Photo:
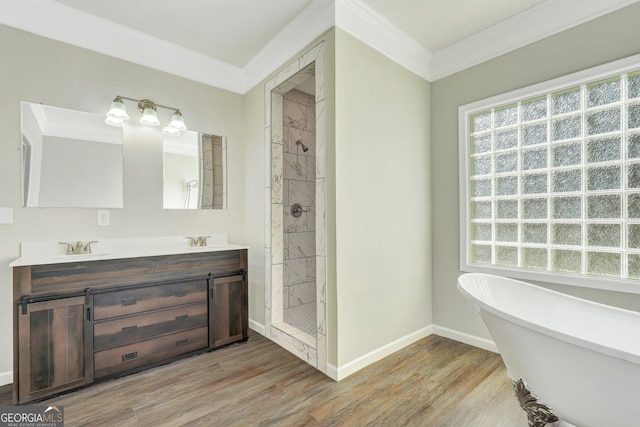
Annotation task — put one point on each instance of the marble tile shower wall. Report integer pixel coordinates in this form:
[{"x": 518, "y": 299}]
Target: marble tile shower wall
[
  {"x": 299, "y": 184},
  {"x": 212, "y": 192}
]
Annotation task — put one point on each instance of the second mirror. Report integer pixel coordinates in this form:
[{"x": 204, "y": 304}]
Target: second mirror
[{"x": 194, "y": 171}]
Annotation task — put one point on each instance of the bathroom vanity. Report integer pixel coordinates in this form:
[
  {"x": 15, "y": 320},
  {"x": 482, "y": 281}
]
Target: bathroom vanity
[{"x": 82, "y": 319}]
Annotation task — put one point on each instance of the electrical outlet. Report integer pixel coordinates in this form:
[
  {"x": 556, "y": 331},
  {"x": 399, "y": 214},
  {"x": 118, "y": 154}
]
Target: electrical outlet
[{"x": 103, "y": 218}]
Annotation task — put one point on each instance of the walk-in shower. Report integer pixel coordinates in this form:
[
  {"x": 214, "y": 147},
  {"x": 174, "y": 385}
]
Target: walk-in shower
[
  {"x": 295, "y": 276},
  {"x": 299, "y": 167}
]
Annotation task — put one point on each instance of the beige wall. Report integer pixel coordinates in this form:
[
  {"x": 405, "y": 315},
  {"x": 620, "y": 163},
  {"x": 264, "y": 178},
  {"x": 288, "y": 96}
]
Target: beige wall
[
  {"x": 603, "y": 40},
  {"x": 382, "y": 200},
  {"x": 41, "y": 70},
  {"x": 254, "y": 164}
]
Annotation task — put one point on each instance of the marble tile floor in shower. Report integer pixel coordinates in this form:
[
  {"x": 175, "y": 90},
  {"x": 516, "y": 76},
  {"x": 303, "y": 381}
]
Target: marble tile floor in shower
[{"x": 302, "y": 317}]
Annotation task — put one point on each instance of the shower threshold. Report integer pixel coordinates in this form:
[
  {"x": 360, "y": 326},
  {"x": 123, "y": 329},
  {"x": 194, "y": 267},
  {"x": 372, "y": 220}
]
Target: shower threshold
[{"x": 295, "y": 334}]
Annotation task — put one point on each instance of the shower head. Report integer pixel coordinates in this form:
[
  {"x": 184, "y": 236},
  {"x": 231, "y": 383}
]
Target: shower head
[
  {"x": 192, "y": 184},
  {"x": 304, "y": 147}
]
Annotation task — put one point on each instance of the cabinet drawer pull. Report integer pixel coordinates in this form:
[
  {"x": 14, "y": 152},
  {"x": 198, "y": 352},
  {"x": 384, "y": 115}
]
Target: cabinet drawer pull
[
  {"x": 182, "y": 342},
  {"x": 180, "y": 294},
  {"x": 130, "y": 301},
  {"x": 181, "y": 318},
  {"x": 129, "y": 356},
  {"x": 129, "y": 328}
]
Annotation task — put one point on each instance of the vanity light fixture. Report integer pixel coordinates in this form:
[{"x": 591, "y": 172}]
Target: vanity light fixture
[
  {"x": 118, "y": 114},
  {"x": 177, "y": 121},
  {"x": 149, "y": 116}
]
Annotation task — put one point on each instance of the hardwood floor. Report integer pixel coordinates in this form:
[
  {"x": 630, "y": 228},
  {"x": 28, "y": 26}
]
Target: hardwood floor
[{"x": 433, "y": 382}]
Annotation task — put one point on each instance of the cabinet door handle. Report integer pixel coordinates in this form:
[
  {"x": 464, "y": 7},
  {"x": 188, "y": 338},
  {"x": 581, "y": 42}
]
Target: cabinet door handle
[
  {"x": 129, "y": 356},
  {"x": 130, "y": 328},
  {"x": 181, "y": 318},
  {"x": 182, "y": 342},
  {"x": 181, "y": 294},
  {"x": 130, "y": 301}
]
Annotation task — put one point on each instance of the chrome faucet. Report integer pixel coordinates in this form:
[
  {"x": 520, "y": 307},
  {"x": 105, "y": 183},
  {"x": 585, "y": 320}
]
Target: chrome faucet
[
  {"x": 198, "y": 241},
  {"x": 78, "y": 247}
]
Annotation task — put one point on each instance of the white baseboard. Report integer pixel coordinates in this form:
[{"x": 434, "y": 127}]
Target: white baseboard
[
  {"x": 258, "y": 327},
  {"x": 339, "y": 373},
  {"x": 332, "y": 372},
  {"x": 6, "y": 377},
  {"x": 465, "y": 338},
  {"x": 373, "y": 356}
]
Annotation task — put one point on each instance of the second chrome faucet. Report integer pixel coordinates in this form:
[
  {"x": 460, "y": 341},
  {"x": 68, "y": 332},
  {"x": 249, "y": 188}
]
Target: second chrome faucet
[
  {"x": 78, "y": 247},
  {"x": 198, "y": 241}
]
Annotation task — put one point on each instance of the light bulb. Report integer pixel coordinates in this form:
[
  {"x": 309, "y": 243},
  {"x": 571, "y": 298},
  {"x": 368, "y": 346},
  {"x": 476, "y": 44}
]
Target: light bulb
[
  {"x": 149, "y": 117},
  {"x": 177, "y": 121},
  {"x": 117, "y": 113}
]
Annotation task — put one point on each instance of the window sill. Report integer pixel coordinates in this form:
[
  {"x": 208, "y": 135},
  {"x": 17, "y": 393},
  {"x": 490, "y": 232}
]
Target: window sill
[{"x": 629, "y": 286}]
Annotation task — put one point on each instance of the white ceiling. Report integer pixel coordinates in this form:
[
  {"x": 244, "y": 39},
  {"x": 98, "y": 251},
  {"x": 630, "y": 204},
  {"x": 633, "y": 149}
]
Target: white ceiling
[
  {"x": 437, "y": 24},
  {"x": 232, "y": 31},
  {"x": 235, "y": 44}
]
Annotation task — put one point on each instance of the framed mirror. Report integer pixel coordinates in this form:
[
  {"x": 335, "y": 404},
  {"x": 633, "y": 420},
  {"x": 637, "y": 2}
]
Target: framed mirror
[
  {"x": 70, "y": 159},
  {"x": 194, "y": 171}
]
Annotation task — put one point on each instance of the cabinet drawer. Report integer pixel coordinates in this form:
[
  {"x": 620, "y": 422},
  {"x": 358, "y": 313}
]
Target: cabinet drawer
[
  {"x": 120, "y": 359},
  {"x": 122, "y": 331},
  {"x": 131, "y": 301}
]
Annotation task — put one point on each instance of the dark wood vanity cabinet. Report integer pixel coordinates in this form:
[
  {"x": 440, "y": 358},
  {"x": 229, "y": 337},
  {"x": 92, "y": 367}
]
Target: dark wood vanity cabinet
[
  {"x": 55, "y": 337},
  {"x": 76, "y": 323},
  {"x": 228, "y": 317},
  {"x": 148, "y": 324}
]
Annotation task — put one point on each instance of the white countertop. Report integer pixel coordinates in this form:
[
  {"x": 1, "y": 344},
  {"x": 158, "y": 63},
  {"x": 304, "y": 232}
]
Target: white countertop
[{"x": 38, "y": 253}]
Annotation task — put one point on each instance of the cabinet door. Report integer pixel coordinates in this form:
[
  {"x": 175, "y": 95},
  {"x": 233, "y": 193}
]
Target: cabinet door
[
  {"x": 228, "y": 310},
  {"x": 52, "y": 356}
]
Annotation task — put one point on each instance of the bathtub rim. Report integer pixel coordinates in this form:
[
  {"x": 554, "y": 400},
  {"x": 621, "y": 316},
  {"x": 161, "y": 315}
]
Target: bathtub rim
[
  {"x": 618, "y": 353},
  {"x": 602, "y": 283}
]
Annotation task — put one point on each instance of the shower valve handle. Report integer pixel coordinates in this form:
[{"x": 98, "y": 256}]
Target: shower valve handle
[{"x": 296, "y": 210}]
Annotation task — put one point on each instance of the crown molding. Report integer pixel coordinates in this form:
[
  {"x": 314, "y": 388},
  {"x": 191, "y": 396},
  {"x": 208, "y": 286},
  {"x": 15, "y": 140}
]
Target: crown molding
[
  {"x": 530, "y": 26},
  {"x": 313, "y": 21},
  {"x": 59, "y": 22},
  {"x": 359, "y": 20}
]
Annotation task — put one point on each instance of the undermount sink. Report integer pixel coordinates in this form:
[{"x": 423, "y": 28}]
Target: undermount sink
[
  {"x": 79, "y": 256},
  {"x": 204, "y": 248}
]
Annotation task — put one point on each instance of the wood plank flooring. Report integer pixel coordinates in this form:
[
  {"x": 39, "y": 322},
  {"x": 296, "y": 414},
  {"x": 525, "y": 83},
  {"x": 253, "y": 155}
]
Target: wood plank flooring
[{"x": 433, "y": 382}]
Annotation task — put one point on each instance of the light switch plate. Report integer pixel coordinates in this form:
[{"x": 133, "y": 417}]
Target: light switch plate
[
  {"x": 104, "y": 217},
  {"x": 6, "y": 215}
]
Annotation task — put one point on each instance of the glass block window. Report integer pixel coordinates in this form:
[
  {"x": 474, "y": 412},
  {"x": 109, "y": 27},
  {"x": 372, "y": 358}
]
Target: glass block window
[{"x": 551, "y": 179}]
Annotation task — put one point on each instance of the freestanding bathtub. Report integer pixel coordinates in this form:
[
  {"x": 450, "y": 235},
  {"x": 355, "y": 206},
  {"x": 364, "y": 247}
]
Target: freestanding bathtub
[{"x": 580, "y": 358}]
